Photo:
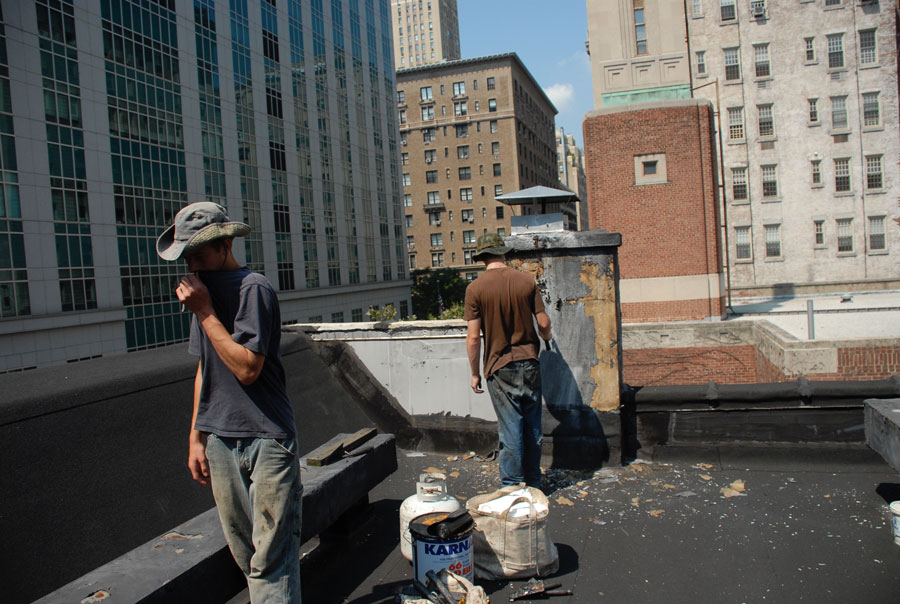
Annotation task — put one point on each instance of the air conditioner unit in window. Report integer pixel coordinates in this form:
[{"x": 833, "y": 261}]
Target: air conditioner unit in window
[{"x": 758, "y": 10}]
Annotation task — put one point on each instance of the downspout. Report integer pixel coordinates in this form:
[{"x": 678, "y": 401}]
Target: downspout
[{"x": 862, "y": 159}]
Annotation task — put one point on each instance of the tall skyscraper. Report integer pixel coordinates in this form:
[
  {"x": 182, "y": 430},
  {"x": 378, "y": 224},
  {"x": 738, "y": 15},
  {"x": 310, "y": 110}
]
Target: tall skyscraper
[
  {"x": 570, "y": 165},
  {"x": 470, "y": 130},
  {"x": 426, "y": 31},
  {"x": 114, "y": 114},
  {"x": 805, "y": 98}
]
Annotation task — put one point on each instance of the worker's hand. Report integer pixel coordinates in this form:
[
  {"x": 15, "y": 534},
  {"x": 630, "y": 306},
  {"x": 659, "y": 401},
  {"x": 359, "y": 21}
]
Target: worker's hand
[
  {"x": 197, "y": 462},
  {"x": 192, "y": 293},
  {"x": 476, "y": 384}
]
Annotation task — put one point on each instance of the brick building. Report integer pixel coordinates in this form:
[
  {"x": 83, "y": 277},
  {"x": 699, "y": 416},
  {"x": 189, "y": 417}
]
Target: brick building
[
  {"x": 651, "y": 174},
  {"x": 470, "y": 130}
]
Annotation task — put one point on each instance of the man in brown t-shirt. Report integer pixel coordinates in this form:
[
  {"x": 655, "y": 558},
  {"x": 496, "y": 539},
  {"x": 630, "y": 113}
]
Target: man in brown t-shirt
[{"x": 504, "y": 303}]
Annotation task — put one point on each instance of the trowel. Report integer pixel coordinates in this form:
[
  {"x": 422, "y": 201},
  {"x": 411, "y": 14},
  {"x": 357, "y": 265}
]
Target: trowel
[{"x": 536, "y": 587}]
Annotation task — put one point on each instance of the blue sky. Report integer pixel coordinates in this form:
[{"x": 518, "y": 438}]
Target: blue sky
[{"x": 549, "y": 38}]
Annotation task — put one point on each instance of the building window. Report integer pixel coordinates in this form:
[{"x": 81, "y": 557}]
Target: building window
[
  {"x": 816, "y": 167},
  {"x": 490, "y": 84},
  {"x": 499, "y": 212},
  {"x": 403, "y": 116},
  {"x": 462, "y": 130},
  {"x": 406, "y": 180},
  {"x": 871, "y": 109},
  {"x": 462, "y": 152},
  {"x": 493, "y": 124},
  {"x": 410, "y": 242},
  {"x": 459, "y": 88},
  {"x": 437, "y": 239},
  {"x": 404, "y": 159},
  {"x": 407, "y": 200},
  {"x": 736, "y": 123},
  {"x": 819, "y": 232},
  {"x": 842, "y": 175},
  {"x": 409, "y": 221},
  {"x": 497, "y": 170},
  {"x": 434, "y": 219},
  {"x": 434, "y": 197},
  {"x": 429, "y": 135},
  {"x": 845, "y": 234},
  {"x": 640, "y": 32},
  {"x": 701, "y": 62},
  {"x": 465, "y": 194},
  {"x": 813, "y": 111},
  {"x": 425, "y": 93},
  {"x": 876, "y": 233},
  {"x": 835, "y": 50},
  {"x": 697, "y": 8},
  {"x": 495, "y": 149},
  {"x": 492, "y": 105},
  {"x": 839, "y": 113},
  {"x": 732, "y": 65},
  {"x": 437, "y": 259},
  {"x": 428, "y": 113},
  {"x": 430, "y": 156},
  {"x": 739, "y": 183},
  {"x": 769, "y": 181},
  {"x": 431, "y": 176},
  {"x": 498, "y": 190},
  {"x": 773, "y": 241},
  {"x": 403, "y": 139},
  {"x": 501, "y": 231},
  {"x": 728, "y": 11},
  {"x": 833, "y": 2},
  {"x": 468, "y": 237},
  {"x": 460, "y": 109},
  {"x": 810, "y": 49},
  {"x": 761, "y": 59},
  {"x": 867, "y": 52},
  {"x": 412, "y": 261},
  {"x": 401, "y": 96},
  {"x": 650, "y": 169},
  {"x": 468, "y": 215},
  {"x": 766, "y": 121},
  {"x": 743, "y": 248},
  {"x": 465, "y": 173},
  {"x": 874, "y": 175}
]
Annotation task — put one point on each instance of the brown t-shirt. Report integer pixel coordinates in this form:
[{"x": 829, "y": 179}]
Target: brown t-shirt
[{"x": 506, "y": 301}]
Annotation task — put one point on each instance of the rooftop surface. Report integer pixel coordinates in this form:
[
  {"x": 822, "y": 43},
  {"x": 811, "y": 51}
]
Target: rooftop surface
[
  {"x": 855, "y": 315},
  {"x": 694, "y": 525}
]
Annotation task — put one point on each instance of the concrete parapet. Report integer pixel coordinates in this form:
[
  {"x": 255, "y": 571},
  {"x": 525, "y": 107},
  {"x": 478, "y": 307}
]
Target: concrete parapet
[{"x": 883, "y": 429}]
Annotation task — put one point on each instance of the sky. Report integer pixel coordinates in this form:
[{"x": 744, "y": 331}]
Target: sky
[{"x": 548, "y": 36}]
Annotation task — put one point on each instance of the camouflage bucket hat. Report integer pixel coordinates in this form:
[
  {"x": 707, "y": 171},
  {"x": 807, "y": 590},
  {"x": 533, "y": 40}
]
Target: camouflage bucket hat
[
  {"x": 490, "y": 243},
  {"x": 196, "y": 225}
]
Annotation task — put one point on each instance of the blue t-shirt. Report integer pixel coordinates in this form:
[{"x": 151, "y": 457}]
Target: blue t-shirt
[{"x": 247, "y": 306}]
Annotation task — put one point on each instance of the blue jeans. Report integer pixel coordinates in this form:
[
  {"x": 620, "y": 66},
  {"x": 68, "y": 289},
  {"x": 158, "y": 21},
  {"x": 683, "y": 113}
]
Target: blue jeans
[
  {"x": 516, "y": 394},
  {"x": 256, "y": 484}
]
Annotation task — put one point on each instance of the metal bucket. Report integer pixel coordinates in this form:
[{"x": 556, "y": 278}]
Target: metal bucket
[{"x": 443, "y": 540}]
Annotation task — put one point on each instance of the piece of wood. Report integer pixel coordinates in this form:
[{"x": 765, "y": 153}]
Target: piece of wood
[{"x": 336, "y": 451}]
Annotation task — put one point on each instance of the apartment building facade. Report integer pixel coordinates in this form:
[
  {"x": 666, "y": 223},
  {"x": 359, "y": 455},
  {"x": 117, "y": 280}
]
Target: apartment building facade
[
  {"x": 117, "y": 113},
  {"x": 806, "y": 107},
  {"x": 470, "y": 130},
  {"x": 427, "y": 31}
]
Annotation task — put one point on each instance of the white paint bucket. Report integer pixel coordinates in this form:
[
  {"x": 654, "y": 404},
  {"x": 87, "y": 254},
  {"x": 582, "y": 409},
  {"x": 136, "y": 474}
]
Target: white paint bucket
[
  {"x": 895, "y": 521},
  {"x": 432, "y": 552}
]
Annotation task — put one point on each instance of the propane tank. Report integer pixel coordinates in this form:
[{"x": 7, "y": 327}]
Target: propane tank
[{"x": 431, "y": 496}]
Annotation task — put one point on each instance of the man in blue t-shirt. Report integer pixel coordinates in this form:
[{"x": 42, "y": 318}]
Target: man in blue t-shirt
[{"x": 242, "y": 436}]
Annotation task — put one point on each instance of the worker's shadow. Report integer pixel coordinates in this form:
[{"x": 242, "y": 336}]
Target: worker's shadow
[{"x": 578, "y": 439}]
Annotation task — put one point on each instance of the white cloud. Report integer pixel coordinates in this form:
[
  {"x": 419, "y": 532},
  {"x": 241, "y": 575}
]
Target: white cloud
[{"x": 561, "y": 95}]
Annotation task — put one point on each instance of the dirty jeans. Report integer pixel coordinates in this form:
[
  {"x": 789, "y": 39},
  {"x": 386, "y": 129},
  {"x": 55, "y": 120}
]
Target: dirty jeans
[
  {"x": 256, "y": 484},
  {"x": 515, "y": 391}
]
